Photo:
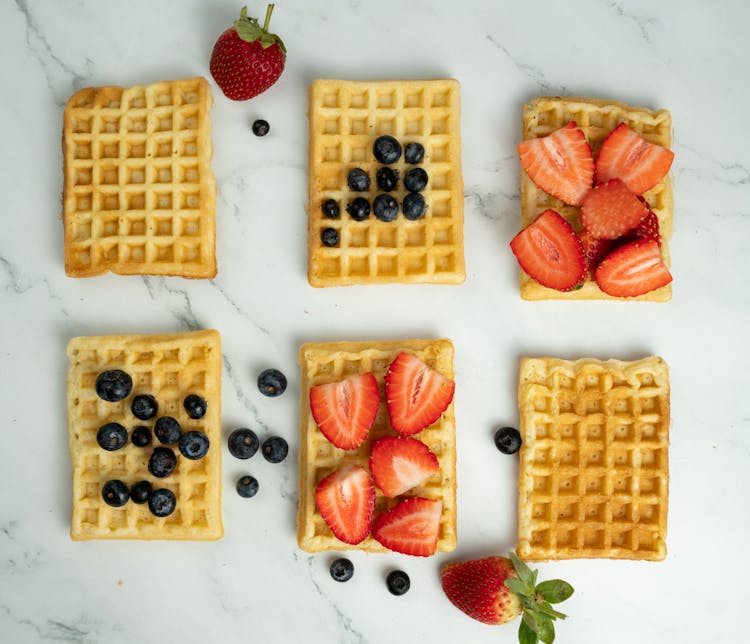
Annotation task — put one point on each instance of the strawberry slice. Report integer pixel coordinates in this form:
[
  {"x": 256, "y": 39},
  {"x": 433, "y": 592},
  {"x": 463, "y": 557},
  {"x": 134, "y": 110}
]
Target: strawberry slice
[
  {"x": 549, "y": 250},
  {"x": 411, "y": 527},
  {"x": 633, "y": 269},
  {"x": 346, "y": 500},
  {"x": 560, "y": 163},
  {"x": 415, "y": 395},
  {"x": 594, "y": 250},
  {"x": 648, "y": 228},
  {"x": 626, "y": 155},
  {"x": 346, "y": 410},
  {"x": 610, "y": 210},
  {"x": 398, "y": 464}
]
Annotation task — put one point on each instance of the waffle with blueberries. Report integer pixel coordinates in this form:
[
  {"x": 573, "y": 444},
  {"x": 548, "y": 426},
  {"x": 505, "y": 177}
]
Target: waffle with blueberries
[
  {"x": 139, "y": 195},
  {"x": 385, "y": 201},
  {"x": 144, "y": 415}
]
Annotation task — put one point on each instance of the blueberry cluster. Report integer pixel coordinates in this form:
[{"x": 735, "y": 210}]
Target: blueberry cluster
[{"x": 397, "y": 581}]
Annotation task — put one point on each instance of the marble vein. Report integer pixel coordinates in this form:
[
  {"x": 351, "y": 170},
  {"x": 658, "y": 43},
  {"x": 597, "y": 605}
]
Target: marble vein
[
  {"x": 237, "y": 308},
  {"x": 74, "y": 632},
  {"x": 14, "y": 280},
  {"x": 532, "y": 72},
  {"x": 183, "y": 313},
  {"x": 642, "y": 23}
]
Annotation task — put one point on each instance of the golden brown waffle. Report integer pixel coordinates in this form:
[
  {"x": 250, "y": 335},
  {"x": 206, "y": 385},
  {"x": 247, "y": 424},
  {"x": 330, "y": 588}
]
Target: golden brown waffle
[
  {"x": 597, "y": 119},
  {"x": 593, "y": 477},
  {"x": 332, "y": 362},
  {"x": 345, "y": 119},
  {"x": 168, "y": 367},
  {"x": 139, "y": 195}
]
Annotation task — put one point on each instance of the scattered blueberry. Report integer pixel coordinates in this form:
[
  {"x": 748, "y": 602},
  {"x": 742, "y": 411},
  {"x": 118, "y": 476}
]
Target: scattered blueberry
[
  {"x": 167, "y": 430},
  {"x": 144, "y": 406},
  {"x": 508, "y": 440},
  {"x": 140, "y": 492},
  {"x": 414, "y": 206},
  {"x": 243, "y": 443},
  {"x": 115, "y": 493},
  {"x": 141, "y": 436},
  {"x": 398, "y": 582},
  {"x": 329, "y": 237},
  {"x": 342, "y": 569},
  {"x": 275, "y": 449},
  {"x": 162, "y": 502},
  {"x": 112, "y": 436},
  {"x": 387, "y": 179},
  {"x": 359, "y": 209},
  {"x": 415, "y": 180},
  {"x": 260, "y": 127},
  {"x": 272, "y": 383},
  {"x": 385, "y": 207},
  {"x": 386, "y": 149},
  {"x": 358, "y": 180},
  {"x": 413, "y": 152},
  {"x": 113, "y": 385},
  {"x": 162, "y": 462},
  {"x": 193, "y": 445},
  {"x": 195, "y": 406},
  {"x": 331, "y": 209},
  {"x": 247, "y": 486}
]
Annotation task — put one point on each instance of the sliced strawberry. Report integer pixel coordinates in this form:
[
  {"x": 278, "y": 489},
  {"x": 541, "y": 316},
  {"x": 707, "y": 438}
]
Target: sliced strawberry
[
  {"x": 549, "y": 250},
  {"x": 411, "y": 527},
  {"x": 633, "y": 269},
  {"x": 398, "y": 464},
  {"x": 610, "y": 210},
  {"x": 560, "y": 163},
  {"x": 648, "y": 228},
  {"x": 594, "y": 250},
  {"x": 346, "y": 500},
  {"x": 346, "y": 410},
  {"x": 626, "y": 155},
  {"x": 416, "y": 395}
]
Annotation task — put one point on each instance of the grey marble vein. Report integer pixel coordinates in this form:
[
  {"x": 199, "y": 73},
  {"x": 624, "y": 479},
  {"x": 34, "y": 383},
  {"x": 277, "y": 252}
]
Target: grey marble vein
[
  {"x": 237, "y": 308},
  {"x": 229, "y": 371},
  {"x": 642, "y": 23},
  {"x": 183, "y": 312},
  {"x": 534, "y": 73},
  {"x": 79, "y": 631},
  {"x": 14, "y": 279}
]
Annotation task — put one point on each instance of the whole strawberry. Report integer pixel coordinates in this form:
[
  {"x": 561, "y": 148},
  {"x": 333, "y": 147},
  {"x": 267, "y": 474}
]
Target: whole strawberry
[
  {"x": 247, "y": 59},
  {"x": 496, "y": 590}
]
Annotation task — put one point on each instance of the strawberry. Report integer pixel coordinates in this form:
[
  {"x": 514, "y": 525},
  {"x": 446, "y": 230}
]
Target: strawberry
[
  {"x": 496, "y": 590},
  {"x": 411, "y": 527},
  {"x": 398, "y": 464},
  {"x": 594, "y": 250},
  {"x": 610, "y": 210},
  {"x": 247, "y": 59},
  {"x": 549, "y": 250},
  {"x": 416, "y": 395},
  {"x": 626, "y": 155},
  {"x": 560, "y": 163},
  {"x": 648, "y": 228},
  {"x": 633, "y": 269},
  {"x": 346, "y": 500},
  {"x": 346, "y": 410}
]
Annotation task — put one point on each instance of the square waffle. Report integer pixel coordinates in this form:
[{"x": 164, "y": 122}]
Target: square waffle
[
  {"x": 345, "y": 119},
  {"x": 593, "y": 476},
  {"x": 139, "y": 195},
  {"x": 597, "y": 118},
  {"x": 168, "y": 367},
  {"x": 332, "y": 362}
]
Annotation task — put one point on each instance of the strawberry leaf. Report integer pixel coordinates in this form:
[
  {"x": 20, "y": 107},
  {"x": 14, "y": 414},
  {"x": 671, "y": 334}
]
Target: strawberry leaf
[
  {"x": 526, "y": 635},
  {"x": 544, "y": 607},
  {"x": 522, "y": 570},
  {"x": 555, "y": 590},
  {"x": 517, "y": 587},
  {"x": 546, "y": 629},
  {"x": 530, "y": 620}
]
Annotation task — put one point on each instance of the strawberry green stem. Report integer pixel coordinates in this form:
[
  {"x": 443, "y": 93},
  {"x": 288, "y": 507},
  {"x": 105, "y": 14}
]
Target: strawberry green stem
[{"x": 269, "y": 11}]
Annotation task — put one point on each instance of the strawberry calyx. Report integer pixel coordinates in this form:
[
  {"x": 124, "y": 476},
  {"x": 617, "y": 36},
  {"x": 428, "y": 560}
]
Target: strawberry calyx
[{"x": 249, "y": 30}]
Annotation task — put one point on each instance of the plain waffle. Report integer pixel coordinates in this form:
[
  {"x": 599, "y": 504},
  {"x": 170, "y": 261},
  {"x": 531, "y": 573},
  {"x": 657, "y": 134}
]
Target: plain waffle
[
  {"x": 597, "y": 119},
  {"x": 332, "y": 362},
  {"x": 139, "y": 195},
  {"x": 345, "y": 119},
  {"x": 168, "y": 367},
  {"x": 593, "y": 476}
]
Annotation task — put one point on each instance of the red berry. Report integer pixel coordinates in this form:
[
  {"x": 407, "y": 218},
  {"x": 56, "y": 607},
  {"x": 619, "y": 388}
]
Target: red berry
[
  {"x": 411, "y": 527},
  {"x": 610, "y": 210},
  {"x": 633, "y": 269},
  {"x": 346, "y": 501},
  {"x": 398, "y": 464}
]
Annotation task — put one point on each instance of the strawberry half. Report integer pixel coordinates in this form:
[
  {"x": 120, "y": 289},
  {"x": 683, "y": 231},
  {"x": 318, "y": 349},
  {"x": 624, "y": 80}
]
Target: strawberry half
[
  {"x": 560, "y": 163},
  {"x": 648, "y": 228},
  {"x": 416, "y": 395},
  {"x": 346, "y": 410},
  {"x": 346, "y": 501},
  {"x": 627, "y": 156},
  {"x": 633, "y": 269},
  {"x": 411, "y": 527},
  {"x": 610, "y": 210},
  {"x": 594, "y": 250},
  {"x": 549, "y": 250},
  {"x": 398, "y": 464}
]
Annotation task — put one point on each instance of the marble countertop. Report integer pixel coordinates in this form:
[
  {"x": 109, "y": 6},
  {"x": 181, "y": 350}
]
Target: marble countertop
[{"x": 255, "y": 585}]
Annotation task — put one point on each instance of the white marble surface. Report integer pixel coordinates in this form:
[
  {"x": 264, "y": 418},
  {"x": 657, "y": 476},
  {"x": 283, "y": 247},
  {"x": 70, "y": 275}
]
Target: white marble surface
[{"x": 255, "y": 585}]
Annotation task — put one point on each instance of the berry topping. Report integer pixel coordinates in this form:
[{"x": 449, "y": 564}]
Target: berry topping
[
  {"x": 330, "y": 208},
  {"x": 247, "y": 486},
  {"x": 162, "y": 462},
  {"x": 398, "y": 464},
  {"x": 271, "y": 383},
  {"x": 342, "y": 569},
  {"x": 398, "y": 582},
  {"x": 275, "y": 449},
  {"x": 386, "y": 149},
  {"x": 346, "y": 410},
  {"x": 162, "y": 502},
  {"x": 387, "y": 179},
  {"x": 193, "y": 445},
  {"x": 112, "y": 436},
  {"x": 140, "y": 492},
  {"x": 115, "y": 493},
  {"x": 508, "y": 440},
  {"x": 359, "y": 209},
  {"x": 144, "y": 406},
  {"x": 329, "y": 237},
  {"x": 416, "y": 180},
  {"x": 167, "y": 430},
  {"x": 243, "y": 443},
  {"x": 358, "y": 180},
  {"x": 260, "y": 127},
  {"x": 414, "y": 152},
  {"x": 346, "y": 500},
  {"x": 633, "y": 269},
  {"x": 195, "y": 406},
  {"x": 385, "y": 207},
  {"x": 414, "y": 206},
  {"x": 648, "y": 228},
  {"x": 113, "y": 385},
  {"x": 594, "y": 250},
  {"x": 411, "y": 527},
  {"x": 141, "y": 436},
  {"x": 610, "y": 210}
]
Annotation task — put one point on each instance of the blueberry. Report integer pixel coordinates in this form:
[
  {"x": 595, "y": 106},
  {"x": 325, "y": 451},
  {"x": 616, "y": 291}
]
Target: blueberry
[
  {"x": 167, "y": 430},
  {"x": 330, "y": 209},
  {"x": 385, "y": 207},
  {"x": 359, "y": 209},
  {"x": 247, "y": 486},
  {"x": 195, "y": 406},
  {"x": 193, "y": 445},
  {"x": 358, "y": 180},
  {"x": 398, "y": 582},
  {"x": 112, "y": 436},
  {"x": 140, "y": 492},
  {"x": 115, "y": 493},
  {"x": 413, "y": 152},
  {"x": 144, "y": 406},
  {"x": 162, "y": 502},
  {"x": 329, "y": 237},
  {"x": 414, "y": 206},
  {"x": 387, "y": 179},
  {"x": 162, "y": 462},
  {"x": 243, "y": 443},
  {"x": 260, "y": 127},
  {"x": 415, "y": 180},
  {"x": 342, "y": 569},
  {"x": 508, "y": 440},
  {"x": 113, "y": 385},
  {"x": 272, "y": 383},
  {"x": 275, "y": 449},
  {"x": 386, "y": 149},
  {"x": 141, "y": 436}
]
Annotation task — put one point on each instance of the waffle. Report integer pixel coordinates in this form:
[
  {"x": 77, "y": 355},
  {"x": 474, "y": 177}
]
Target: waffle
[
  {"x": 597, "y": 119},
  {"x": 139, "y": 196},
  {"x": 168, "y": 367},
  {"x": 593, "y": 476},
  {"x": 345, "y": 119},
  {"x": 332, "y": 362}
]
